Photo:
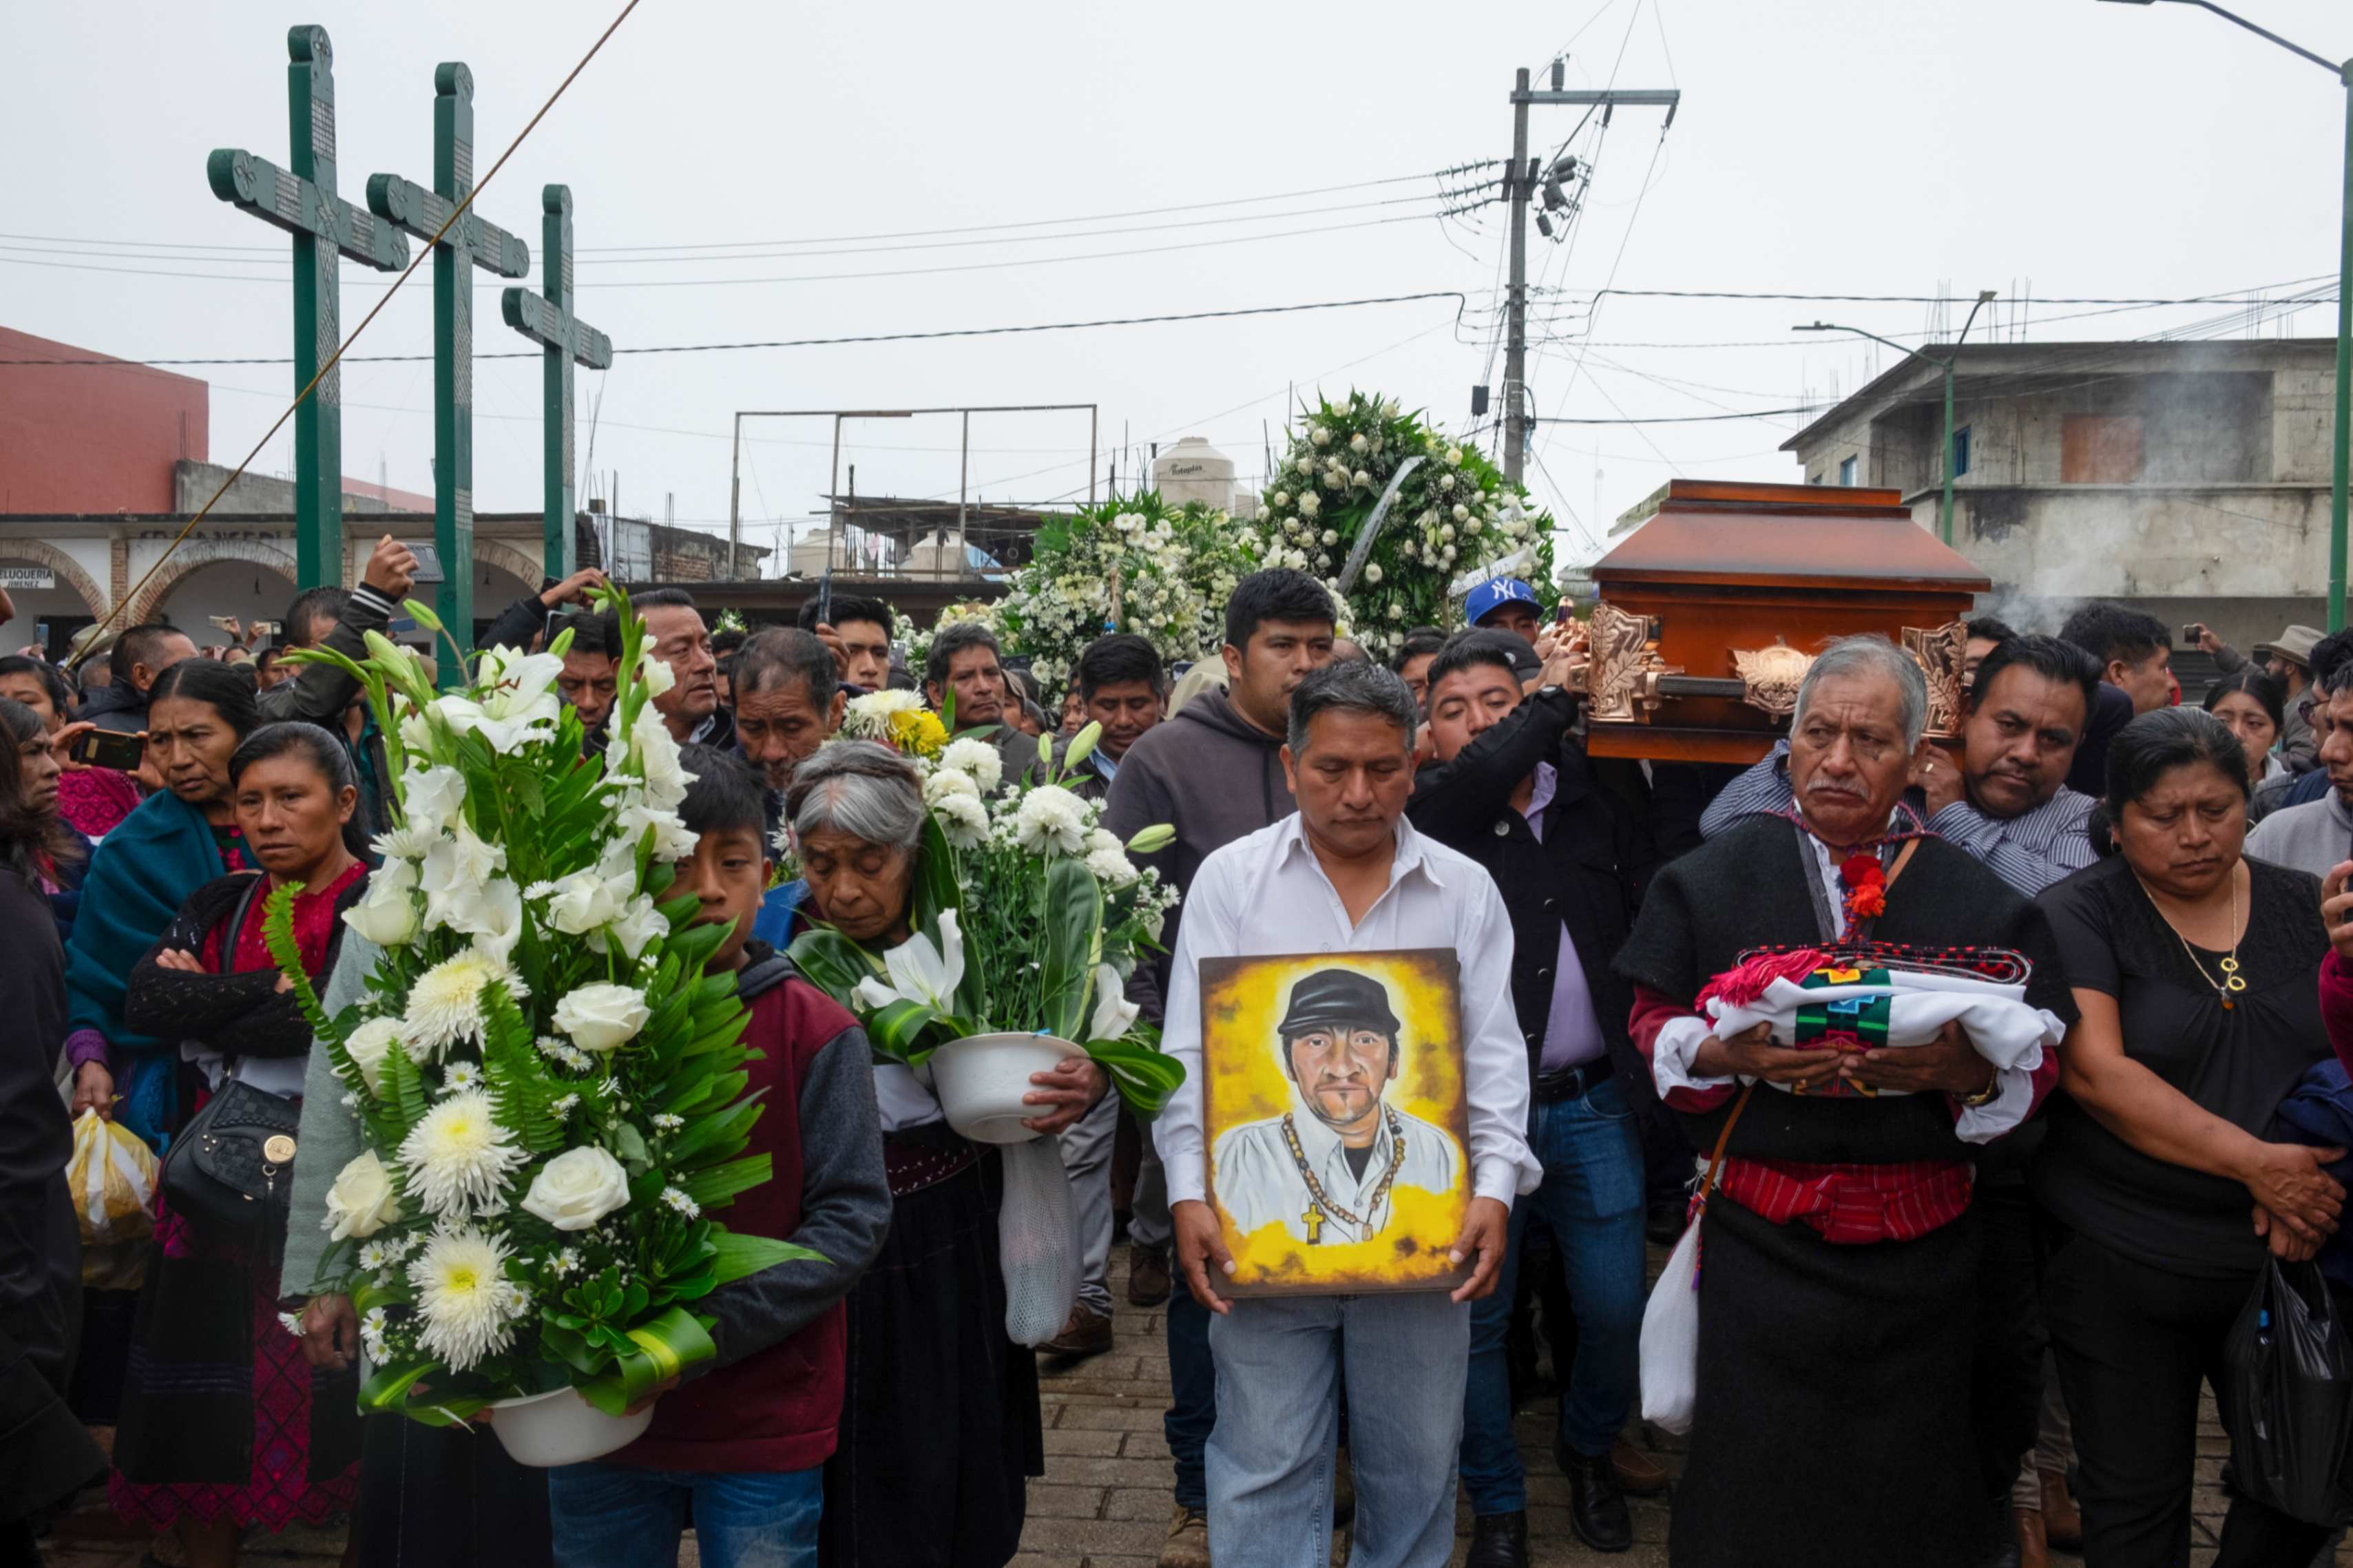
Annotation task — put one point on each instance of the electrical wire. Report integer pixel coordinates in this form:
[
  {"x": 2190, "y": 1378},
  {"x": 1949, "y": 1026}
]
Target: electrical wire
[
  {"x": 460, "y": 211},
  {"x": 1456, "y": 295}
]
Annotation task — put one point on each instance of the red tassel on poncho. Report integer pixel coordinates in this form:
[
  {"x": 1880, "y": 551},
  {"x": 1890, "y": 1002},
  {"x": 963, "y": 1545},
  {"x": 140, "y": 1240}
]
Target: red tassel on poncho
[{"x": 1745, "y": 983}]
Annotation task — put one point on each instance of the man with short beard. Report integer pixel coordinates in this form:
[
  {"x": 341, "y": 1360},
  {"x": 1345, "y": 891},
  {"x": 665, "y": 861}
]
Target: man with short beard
[{"x": 689, "y": 709}]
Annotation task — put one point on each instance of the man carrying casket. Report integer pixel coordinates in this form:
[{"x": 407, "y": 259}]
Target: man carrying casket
[{"x": 1839, "y": 1257}]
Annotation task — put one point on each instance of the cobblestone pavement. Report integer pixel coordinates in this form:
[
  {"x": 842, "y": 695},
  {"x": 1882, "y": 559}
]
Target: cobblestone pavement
[{"x": 1104, "y": 1501}]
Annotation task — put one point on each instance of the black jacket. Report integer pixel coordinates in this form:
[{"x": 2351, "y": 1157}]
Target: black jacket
[{"x": 1586, "y": 873}]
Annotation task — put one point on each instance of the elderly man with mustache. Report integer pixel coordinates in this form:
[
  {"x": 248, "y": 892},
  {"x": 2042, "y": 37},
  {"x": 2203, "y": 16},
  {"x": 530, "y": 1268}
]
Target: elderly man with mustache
[{"x": 1837, "y": 1293}]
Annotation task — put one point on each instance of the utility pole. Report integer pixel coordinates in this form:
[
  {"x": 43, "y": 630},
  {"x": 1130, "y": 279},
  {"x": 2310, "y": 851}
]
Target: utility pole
[{"x": 1520, "y": 177}]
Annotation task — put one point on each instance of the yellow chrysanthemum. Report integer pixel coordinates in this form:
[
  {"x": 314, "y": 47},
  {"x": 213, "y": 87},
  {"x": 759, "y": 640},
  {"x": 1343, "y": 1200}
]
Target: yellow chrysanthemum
[{"x": 918, "y": 733}]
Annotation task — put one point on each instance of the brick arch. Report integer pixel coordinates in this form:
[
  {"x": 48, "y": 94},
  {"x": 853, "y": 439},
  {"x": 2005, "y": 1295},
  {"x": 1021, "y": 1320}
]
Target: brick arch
[
  {"x": 69, "y": 571},
  {"x": 519, "y": 564},
  {"x": 198, "y": 553}
]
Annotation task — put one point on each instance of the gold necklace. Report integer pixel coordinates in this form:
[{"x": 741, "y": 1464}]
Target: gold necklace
[{"x": 2232, "y": 982}]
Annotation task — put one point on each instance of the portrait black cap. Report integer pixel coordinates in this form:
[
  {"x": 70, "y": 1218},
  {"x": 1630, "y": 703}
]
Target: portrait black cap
[{"x": 1337, "y": 997}]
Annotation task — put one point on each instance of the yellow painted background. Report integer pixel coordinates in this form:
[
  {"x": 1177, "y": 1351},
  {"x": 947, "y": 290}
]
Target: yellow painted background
[{"x": 1242, "y": 999}]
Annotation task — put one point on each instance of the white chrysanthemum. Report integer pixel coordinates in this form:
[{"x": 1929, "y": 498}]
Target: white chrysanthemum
[
  {"x": 963, "y": 820},
  {"x": 1099, "y": 839},
  {"x": 457, "y": 1157},
  {"x": 445, "y": 1005},
  {"x": 976, "y": 759},
  {"x": 403, "y": 843},
  {"x": 946, "y": 781},
  {"x": 466, "y": 1305},
  {"x": 1050, "y": 820},
  {"x": 1111, "y": 867}
]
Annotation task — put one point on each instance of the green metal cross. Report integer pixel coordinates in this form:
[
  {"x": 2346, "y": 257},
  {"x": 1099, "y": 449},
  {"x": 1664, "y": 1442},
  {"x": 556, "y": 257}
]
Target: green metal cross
[
  {"x": 468, "y": 243},
  {"x": 547, "y": 319},
  {"x": 325, "y": 227}
]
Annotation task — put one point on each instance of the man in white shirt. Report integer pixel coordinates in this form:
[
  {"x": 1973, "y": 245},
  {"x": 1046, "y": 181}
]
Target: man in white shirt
[
  {"x": 1346, "y": 873},
  {"x": 1327, "y": 1169}
]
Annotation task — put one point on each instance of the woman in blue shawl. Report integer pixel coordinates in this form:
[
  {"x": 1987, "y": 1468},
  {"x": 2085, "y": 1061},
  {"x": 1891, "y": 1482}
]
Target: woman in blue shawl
[{"x": 178, "y": 840}]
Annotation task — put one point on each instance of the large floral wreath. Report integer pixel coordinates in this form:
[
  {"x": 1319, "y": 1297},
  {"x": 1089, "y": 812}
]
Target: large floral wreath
[
  {"x": 1454, "y": 513},
  {"x": 1132, "y": 564}
]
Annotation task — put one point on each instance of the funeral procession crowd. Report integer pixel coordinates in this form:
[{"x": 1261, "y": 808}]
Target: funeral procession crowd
[{"x": 1991, "y": 1078}]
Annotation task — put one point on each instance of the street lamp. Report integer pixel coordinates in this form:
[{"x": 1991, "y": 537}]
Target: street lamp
[
  {"x": 1985, "y": 298},
  {"x": 2337, "y": 488}
]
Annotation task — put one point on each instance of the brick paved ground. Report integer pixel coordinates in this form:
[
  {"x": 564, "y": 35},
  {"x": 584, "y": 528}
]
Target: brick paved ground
[{"x": 1104, "y": 1501}]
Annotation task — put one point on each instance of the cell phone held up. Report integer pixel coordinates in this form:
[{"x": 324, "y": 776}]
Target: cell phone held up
[{"x": 109, "y": 749}]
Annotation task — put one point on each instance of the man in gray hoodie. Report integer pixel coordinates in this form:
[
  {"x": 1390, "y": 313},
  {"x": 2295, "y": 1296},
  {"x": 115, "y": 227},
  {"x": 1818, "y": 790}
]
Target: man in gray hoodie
[{"x": 1214, "y": 773}]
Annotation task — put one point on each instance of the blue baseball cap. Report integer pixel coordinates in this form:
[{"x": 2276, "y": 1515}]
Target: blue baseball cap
[{"x": 1488, "y": 597}]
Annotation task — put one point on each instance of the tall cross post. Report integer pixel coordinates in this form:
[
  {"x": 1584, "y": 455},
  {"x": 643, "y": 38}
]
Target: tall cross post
[
  {"x": 547, "y": 319},
  {"x": 469, "y": 242},
  {"x": 302, "y": 201}
]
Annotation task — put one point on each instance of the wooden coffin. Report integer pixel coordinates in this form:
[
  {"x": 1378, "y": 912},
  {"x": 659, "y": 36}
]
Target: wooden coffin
[{"x": 1710, "y": 613}]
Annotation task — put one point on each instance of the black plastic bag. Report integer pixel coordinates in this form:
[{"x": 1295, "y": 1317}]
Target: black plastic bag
[{"x": 2289, "y": 1410}]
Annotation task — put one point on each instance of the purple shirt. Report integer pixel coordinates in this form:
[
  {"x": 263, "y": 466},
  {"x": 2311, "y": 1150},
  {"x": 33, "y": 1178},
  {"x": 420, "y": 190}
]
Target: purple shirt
[{"x": 1572, "y": 1034}]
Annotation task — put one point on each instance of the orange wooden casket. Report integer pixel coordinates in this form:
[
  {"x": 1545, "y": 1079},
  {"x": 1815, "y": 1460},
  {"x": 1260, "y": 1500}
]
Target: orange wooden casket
[{"x": 1709, "y": 614}]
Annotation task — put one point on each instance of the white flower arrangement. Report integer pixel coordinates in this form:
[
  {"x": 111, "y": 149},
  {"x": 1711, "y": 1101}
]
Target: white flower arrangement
[
  {"x": 1028, "y": 916},
  {"x": 538, "y": 1059},
  {"x": 1454, "y": 509},
  {"x": 1135, "y": 565}
]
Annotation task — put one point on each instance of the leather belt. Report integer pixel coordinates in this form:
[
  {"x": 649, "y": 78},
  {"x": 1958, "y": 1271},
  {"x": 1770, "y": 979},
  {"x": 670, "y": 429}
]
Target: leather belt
[{"x": 1569, "y": 1083}]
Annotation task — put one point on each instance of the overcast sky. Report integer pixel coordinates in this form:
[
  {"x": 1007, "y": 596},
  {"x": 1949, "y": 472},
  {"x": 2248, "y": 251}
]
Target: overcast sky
[{"x": 1828, "y": 146}]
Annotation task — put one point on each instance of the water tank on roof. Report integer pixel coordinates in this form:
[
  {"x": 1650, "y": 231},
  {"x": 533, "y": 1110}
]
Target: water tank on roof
[{"x": 1193, "y": 470}]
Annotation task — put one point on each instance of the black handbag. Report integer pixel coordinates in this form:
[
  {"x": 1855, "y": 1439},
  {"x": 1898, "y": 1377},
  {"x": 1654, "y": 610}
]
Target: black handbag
[
  {"x": 233, "y": 1165},
  {"x": 2290, "y": 1406}
]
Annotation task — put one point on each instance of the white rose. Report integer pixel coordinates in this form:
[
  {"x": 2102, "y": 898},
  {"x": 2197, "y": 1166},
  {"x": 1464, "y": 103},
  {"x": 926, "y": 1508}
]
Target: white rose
[
  {"x": 1281, "y": 500},
  {"x": 1359, "y": 444},
  {"x": 600, "y": 1018},
  {"x": 1454, "y": 457},
  {"x": 1446, "y": 481},
  {"x": 1397, "y": 612},
  {"x": 361, "y": 1201},
  {"x": 1320, "y": 436},
  {"x": 1310, "y": 504},
  {"x": 368, "y": 1046},
  {"x": 577, "y": 1188},
  {"x": 1446, "y": 532},
  {"x": 1473, "y": 527},
  {"x": 1461, "y": 514},
  {"x": 1330, "y": 539},
  {"x": 1306, "y": 465},
  {"x": 1372, "y": 571},
  {"x": 1362, "y": 477},
  {"x": 387, "y": 915}
]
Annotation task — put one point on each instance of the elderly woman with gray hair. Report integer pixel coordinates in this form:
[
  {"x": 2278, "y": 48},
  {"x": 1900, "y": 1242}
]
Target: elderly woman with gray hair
[
  {"x": 940, "y": 1420},
  {"x": 1836, "y": 1303}
]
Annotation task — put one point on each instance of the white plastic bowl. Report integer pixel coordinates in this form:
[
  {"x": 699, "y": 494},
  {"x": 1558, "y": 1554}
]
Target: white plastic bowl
[
  {"x": 563, "y": 1428},
  {"x": 980, "y": 1080}
]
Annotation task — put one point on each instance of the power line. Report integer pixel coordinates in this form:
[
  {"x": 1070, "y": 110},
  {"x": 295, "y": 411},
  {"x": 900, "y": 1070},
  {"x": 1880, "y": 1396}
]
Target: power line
[{"x": 1453, "y": 294}]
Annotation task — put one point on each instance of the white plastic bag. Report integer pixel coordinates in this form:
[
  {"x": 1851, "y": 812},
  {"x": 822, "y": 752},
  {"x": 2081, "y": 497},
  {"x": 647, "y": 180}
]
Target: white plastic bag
[
  {"x": 1670, "y": 1338},
  {"x": 1037, "y": 1242}
]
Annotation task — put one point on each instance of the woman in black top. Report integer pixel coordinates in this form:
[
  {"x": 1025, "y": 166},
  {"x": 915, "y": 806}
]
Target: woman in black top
[{"x": 2193, "y": 968}]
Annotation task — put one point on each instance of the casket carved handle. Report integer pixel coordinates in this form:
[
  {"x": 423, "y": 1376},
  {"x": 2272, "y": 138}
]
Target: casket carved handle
[
  {"x": 1941, "y": 652},
  {"x": 1623, "y": 682},
  {"x": 1769, "y": 677}
]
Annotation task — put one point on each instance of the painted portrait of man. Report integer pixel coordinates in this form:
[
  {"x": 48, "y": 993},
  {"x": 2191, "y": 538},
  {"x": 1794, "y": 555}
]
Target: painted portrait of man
[{"x": 1328, "y": 1168}]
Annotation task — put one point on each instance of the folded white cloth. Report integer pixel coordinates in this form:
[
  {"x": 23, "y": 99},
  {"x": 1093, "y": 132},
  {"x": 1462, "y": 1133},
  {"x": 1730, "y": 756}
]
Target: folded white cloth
[{"x": 1997, "y": 1020}]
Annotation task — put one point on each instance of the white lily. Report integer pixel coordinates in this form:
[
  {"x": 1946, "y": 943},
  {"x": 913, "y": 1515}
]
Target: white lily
[
  {"x": 519, "y": 704},
  {"x": 1114, "y": 1012},
  {"x": 920, "y": 971}
]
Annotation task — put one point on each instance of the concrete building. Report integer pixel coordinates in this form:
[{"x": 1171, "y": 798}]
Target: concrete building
[{"x": 2188, "y": 479}]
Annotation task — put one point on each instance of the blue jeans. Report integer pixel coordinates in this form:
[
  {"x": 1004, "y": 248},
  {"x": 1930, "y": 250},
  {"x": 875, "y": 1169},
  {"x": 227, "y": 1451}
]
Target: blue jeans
[
  {"x": 616, "y": 1516},
  {"x": 1270, "y": 1461},
  {"x": 1192, "y": 1392},
  {"x": 1592, "y": 1198}
]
